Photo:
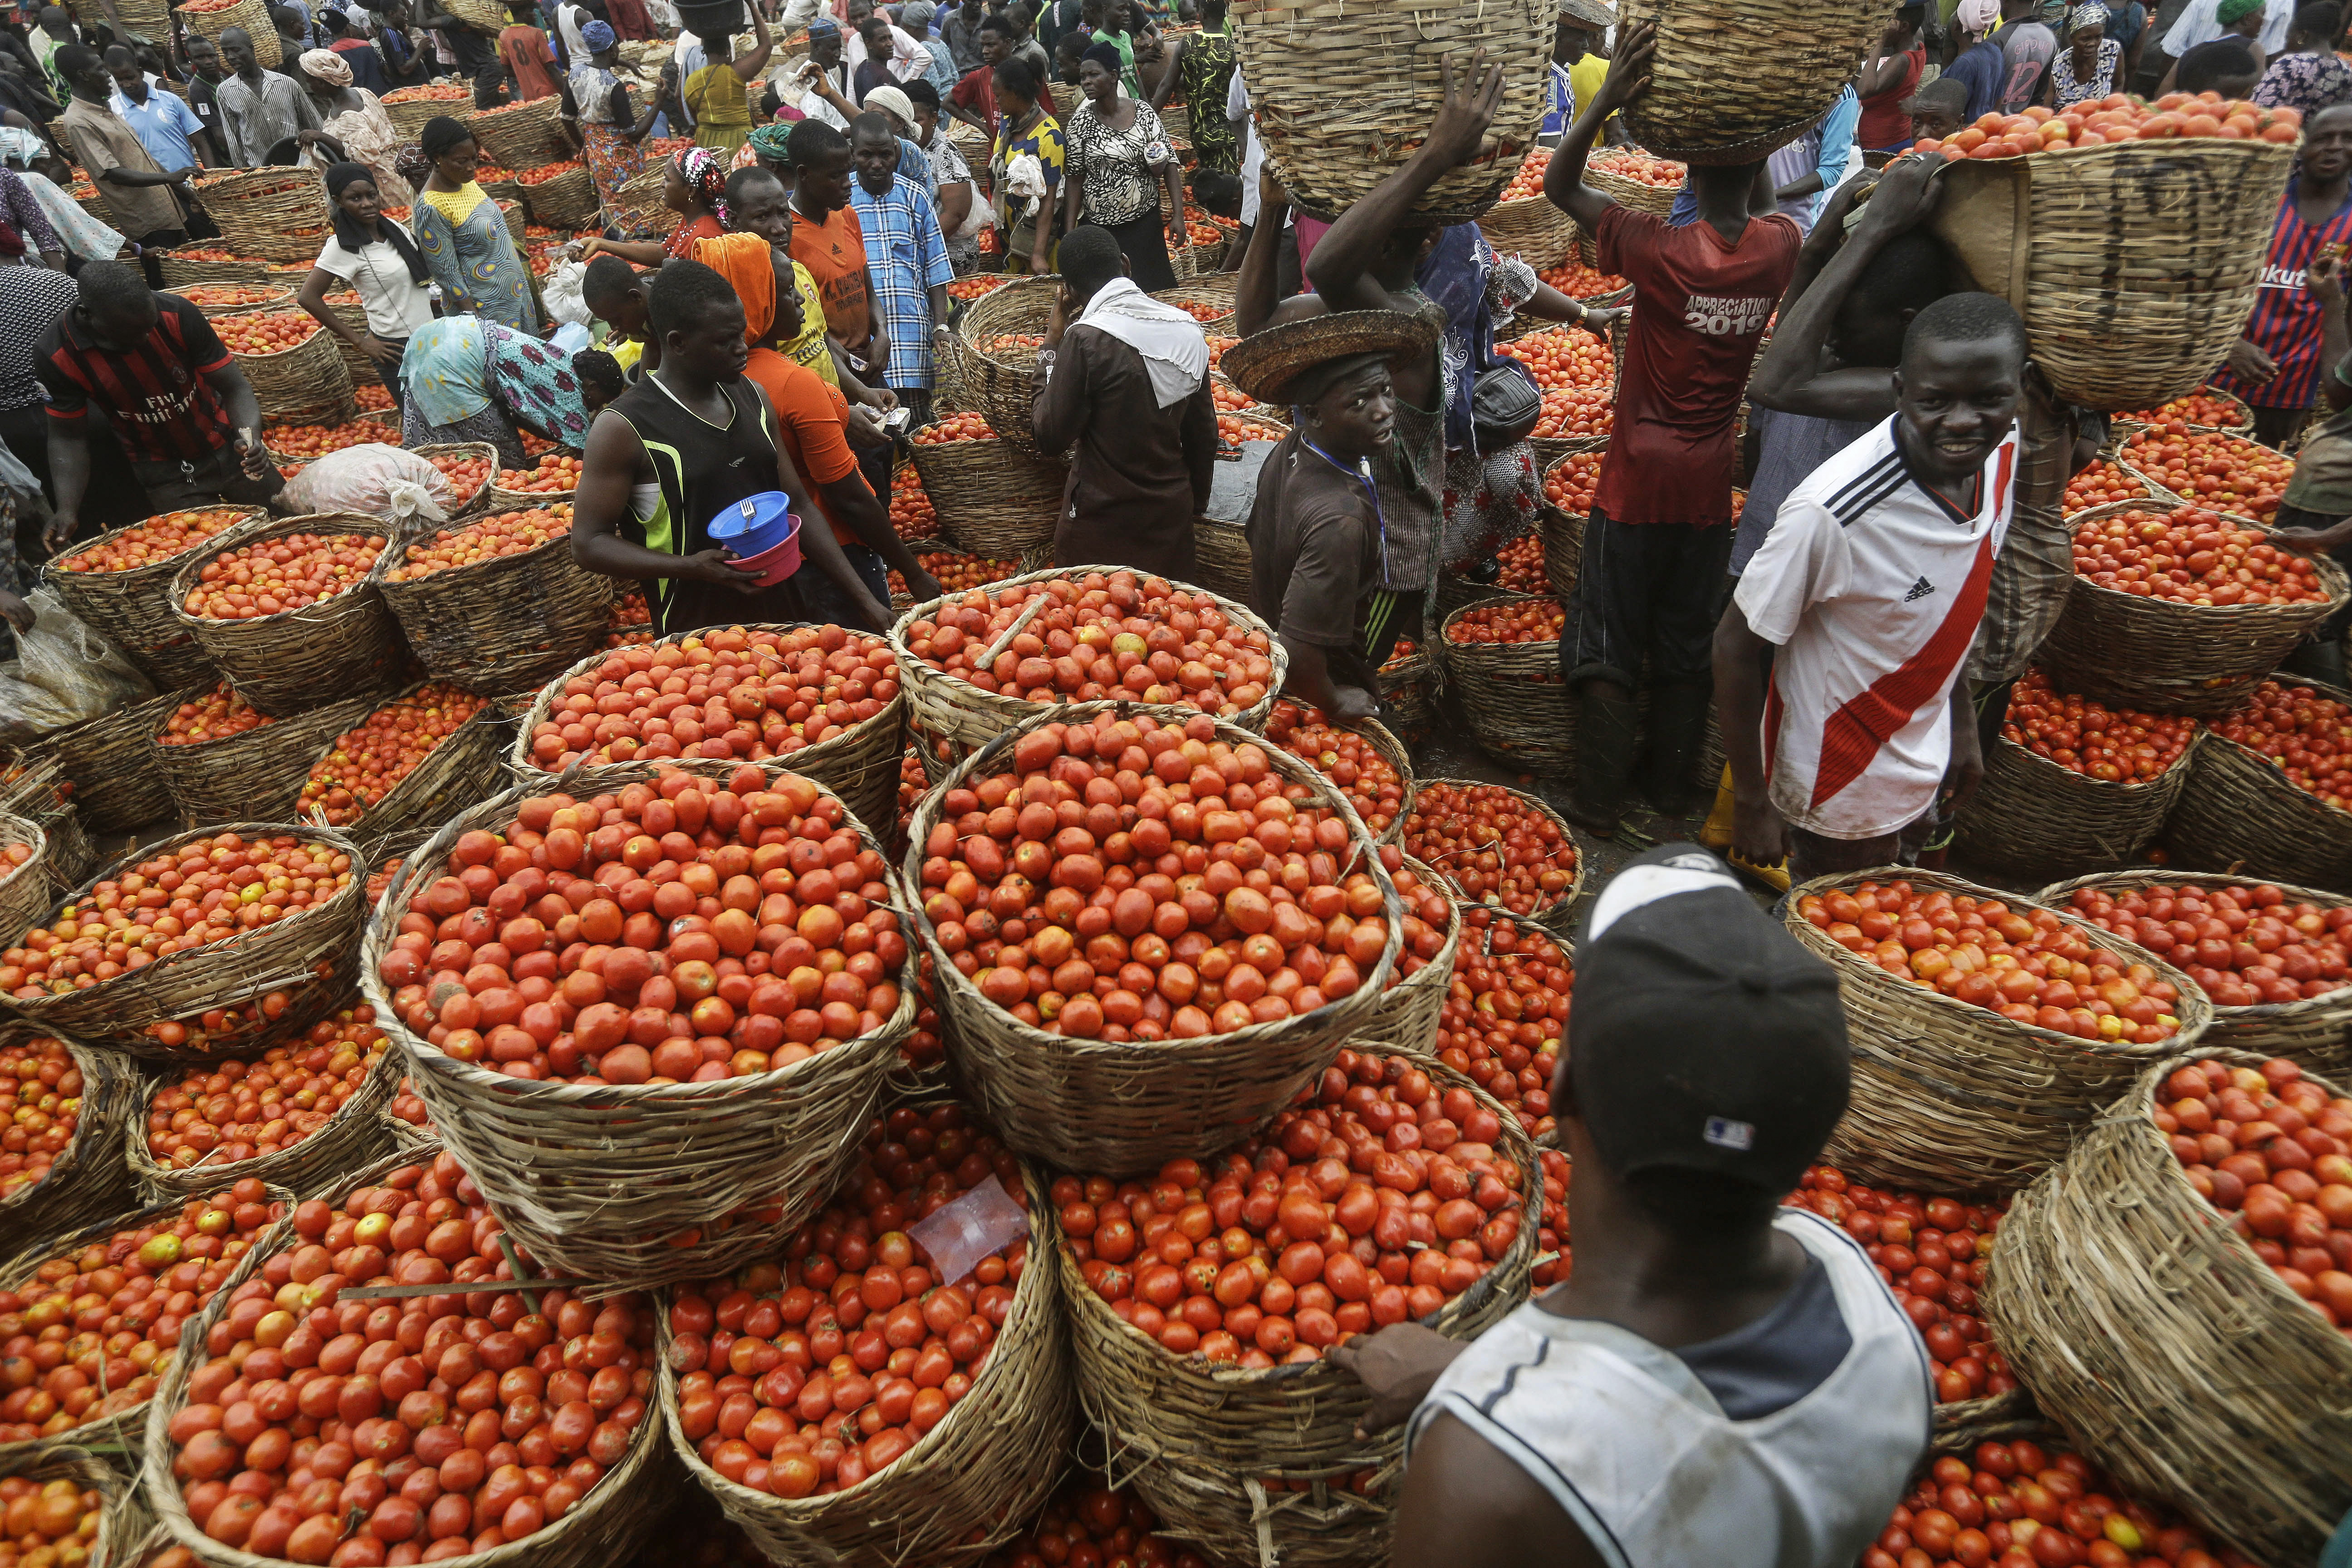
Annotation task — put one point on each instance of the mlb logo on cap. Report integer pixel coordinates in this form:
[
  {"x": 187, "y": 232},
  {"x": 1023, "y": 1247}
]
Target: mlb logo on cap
[{"x": 1725, "y": 1133}]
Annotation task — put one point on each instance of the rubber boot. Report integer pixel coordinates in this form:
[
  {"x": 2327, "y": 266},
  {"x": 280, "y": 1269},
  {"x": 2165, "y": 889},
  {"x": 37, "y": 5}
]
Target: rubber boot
[
  {"x": 2320, "y": 659},
  {"x": 1677, "y": 733},
  {"x": 1716, "y": 832},
  {"x": 1606, "y": 720}
]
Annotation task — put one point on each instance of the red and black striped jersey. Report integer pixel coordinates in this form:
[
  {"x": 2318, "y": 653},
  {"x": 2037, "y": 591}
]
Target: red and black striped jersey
[{"x": 154, "y": 395}]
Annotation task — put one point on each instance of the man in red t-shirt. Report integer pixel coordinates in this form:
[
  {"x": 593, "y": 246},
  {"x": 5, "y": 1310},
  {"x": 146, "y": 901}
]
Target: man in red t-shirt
[{"x": 1658, "y": 543}]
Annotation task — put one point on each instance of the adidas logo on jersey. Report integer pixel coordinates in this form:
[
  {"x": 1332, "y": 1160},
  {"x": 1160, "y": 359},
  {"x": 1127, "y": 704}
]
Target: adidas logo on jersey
[{"x": 1919, "y": 590}]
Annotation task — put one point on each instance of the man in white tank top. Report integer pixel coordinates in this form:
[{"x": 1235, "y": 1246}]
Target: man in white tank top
[{"x": 1722, "y": 1383}]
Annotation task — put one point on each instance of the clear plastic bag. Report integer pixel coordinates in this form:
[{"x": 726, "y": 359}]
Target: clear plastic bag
[
  {"x": 374, "y": 481},
  {"x": 65, "y": 673}
]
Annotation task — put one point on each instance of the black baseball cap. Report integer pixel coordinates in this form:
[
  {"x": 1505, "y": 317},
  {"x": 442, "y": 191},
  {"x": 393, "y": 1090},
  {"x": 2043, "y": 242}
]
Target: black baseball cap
[{"x": 1703, "y": 1036}]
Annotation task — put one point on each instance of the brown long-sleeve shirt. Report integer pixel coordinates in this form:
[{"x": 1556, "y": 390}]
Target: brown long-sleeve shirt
[{"x": 1142, "y": 472}]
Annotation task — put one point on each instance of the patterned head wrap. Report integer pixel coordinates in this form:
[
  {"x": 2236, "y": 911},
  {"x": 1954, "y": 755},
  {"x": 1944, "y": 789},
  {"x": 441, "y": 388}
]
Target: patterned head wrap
[
  {"x": 705, "y": 178},
  {"x": 411, "y": 164},
  {"x": 770, "y": 142},
  {"x": 325, "y": 65}
]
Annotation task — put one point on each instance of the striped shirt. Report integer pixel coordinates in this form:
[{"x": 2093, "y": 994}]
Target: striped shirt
[
  {"x": 154, "y": 395},
  {"x": 2285, "y": 324},
  {"x": 905, "y": 257}
]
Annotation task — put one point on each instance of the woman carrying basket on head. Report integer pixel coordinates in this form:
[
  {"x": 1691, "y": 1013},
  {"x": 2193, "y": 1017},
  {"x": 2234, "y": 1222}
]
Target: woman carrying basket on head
[
  {"x": 715, "y": 95},
  {"x": 613, "y": 123},
  {"x": 461, "y": 233}
]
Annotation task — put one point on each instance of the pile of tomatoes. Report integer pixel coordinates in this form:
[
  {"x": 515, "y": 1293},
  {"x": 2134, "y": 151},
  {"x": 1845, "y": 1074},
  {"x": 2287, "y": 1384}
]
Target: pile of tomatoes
[
  {"x": 2027, "y": 964},
  {"x": 1120, "y": 634},
  {"x": 1931, "y": 1252},
  {"x": 308, "y": 443},
  {"x": 290, "y": 572},
  {"x": 1347, "y": 758},
  {"x": 691, "y": 930},
  {"x": 12, "y": 857},
  {"x": 1229, "y": 398},
  {"x": 1576, "y": 371},
  {"x": 2206, "y": 406},
  {"x": 1428, "y": 915},
  {"x": 466, "y": 475},
  {"x": 556, "y": 474},
  {"x": 974, "y": 288},
  {"x": 90, "y": 1333},
  {"x": 1088, "y": 1523},
  {"x": 807, "y": 1377},
  {"x": 1506, "y": 1012},
  {"x": 1381, "y": 1198},
  {"x": 1233, "y": 432},
  {"x": 1018, "y": 347},
  {"x": 210, "y": 297},
  {"x": 956, "y": 573},
  {"x": 2021, "y": 1507},
  {"x": 407, "y": 1105},
  {"x": 157, "y": 539},
  {"x": 2118, "y": 118},
  {"x": 1553, "y": 1258},
  {"x": 2207, "y": 468},
  {"x": 727, "y": 692},
  {"x": 369, "y": 759},
  {"x": 1493, "y": 844},
  {"x": 2309, "y": 736},
  {"x": 547, "y": 172},
  {"x": 483, "y": 538},
  {"x": 1578, "y": 282},
  {"x": 40, "y": 1106},
  {"x": 2114, "y": 745},
  {"x": 925, "y": 1046},
  {"x": 913, "y": 516},
  {"x": 375, "y": 397},
  {"x": 2100, "y": 484},
  {"x": 1570, "y": 483},
  {"x": 1523, "y": 570},
  {"x": 2268, "y": 1147},
  {"x": 631, "y": 622},
  {"x": 2192, "y": 557},
  {"x": 1643, "y": 168},
  {"x": 1516, "y": 621},
  {"x": 48, "y": 1524},
  {"x": 2242, "y": 946},
  {"x": 953, "y": 427},
  {"x": 1128, "y": 880},
  {"x": 206, "y": 890},
  {"x": 216, "y": 1029},
  {"x": 266, "y": 331},
  {"x": 1196, "y": 309},
  {"x": 239, "y": 1111},
  {"x": 442, "y": 94},
  {"x": 1529, "y": 181},
  {"x": 462, "y": 1418}
]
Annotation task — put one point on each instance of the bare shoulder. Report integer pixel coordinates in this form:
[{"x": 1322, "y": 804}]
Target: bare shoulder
[{"x": 1465, "y": 1504}]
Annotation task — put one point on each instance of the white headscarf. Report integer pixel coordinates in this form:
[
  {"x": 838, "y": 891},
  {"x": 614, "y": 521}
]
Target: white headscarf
[
  {"x": 1175, "y": 349},
  {"x": 1979, "y": 16}
]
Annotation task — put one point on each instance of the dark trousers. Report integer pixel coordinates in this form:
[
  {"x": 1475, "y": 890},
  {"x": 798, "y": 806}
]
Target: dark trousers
[
  {"x": 1646, "y": 595},
  {"x": 175, "y": 486},
  {"x": 876, "y": 462},
  {"x": 822, "y": 599},
  {"x": 161, "y": 239}
]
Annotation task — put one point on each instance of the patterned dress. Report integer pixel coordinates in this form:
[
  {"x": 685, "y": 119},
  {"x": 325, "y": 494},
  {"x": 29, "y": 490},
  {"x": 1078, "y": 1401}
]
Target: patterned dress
[
  {"x": 474, "y": 260},
  {"x": 613, "y": 159},
  {"x": 471, "y": 380}
]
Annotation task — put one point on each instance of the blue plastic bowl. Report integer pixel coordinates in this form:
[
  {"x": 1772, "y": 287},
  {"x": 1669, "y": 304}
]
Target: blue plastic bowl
[{"x": 754, "y": 524}]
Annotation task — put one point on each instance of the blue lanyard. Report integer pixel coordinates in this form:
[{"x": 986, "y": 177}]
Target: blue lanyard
[{"x": 1362, "y": 474}]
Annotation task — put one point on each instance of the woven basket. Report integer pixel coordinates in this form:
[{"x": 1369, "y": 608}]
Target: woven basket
[
  {"x": 354, "y": 1136},
  {"x": 603, "y": 1529},
  {"x": 284, "y": 955},
  {"x": 2168, "y": 657},
  {"x": 1950, "y": 1097},
  {"x": 502, "y": 499},
  {"x": 517, "y": 135},
  {"x": 2031, "y": 817},
  {"x": 1221, "y": 552},
  {"x": 1641, "y": 196},
  {"x": 2243, "y": 425},
  {"x": 1202, "y": 1439},
  {"x": 117, "y": 785},
  {"x": 250, "y": 15},
  {"x": 1099, "y": 1105},
  {"x": 259, "y": 771},
  {"x": 462, "y": 771},
  {"x": 634, "y": 1184},
  {"x": 179, "y": 271},
  {"x": 1541, "y": 233},
  {"x": 1408, "y": 689},
  {"x": 345, "y": 644},
  {"x": 277, "y": 298},
  {"x": 386, "y": 421},
  {"x": 25, "y": 891},
  {"x": 1731, "y": 82},
  {"x": 2316, "y": 1031},
  {"x": 1209, "y": 287},
  {"x": 278, "y": 213},
  {"x": 408, "y": 115},
  {"x": 38, "y": 791},
  {"x": 641, "y": 202},
  {"x": 990, "y": 498},
  {"x": 568, "y": 201},
  {"x": 956, "y": 710},
  {"x": 997, "y": 386},
  {"x": 135, "y": 610},
  {"x": 507, "y": 624},
  {"x": 1409, "y": 1012},
  {"x": 88, "y": 1180},
  {"x": 967, "y": 1485},
  {"x": 1510, "y": 697},
  {"x": 2134, "y": 265},
  {"x": 125, "y": 1433},
  {"x": 1557, "y": 919},
  {"x": 860, "y": 765},
  {"x": 1563, "y": 545},
  {"x": 123, "y": 1522},
  {"x": 2238, "y": 813},
  {"x": 1341, "y": 101},
  {"x": 306, "y": 384},
  {"x": 2174, "y": 1356}
]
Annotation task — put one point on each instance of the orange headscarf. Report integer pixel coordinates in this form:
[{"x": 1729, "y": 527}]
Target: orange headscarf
[{"x": 747, "y": 262}]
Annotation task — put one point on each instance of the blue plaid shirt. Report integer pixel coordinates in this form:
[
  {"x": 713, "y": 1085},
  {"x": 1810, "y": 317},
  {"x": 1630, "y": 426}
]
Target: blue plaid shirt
[{"x": 905, "y": 255}]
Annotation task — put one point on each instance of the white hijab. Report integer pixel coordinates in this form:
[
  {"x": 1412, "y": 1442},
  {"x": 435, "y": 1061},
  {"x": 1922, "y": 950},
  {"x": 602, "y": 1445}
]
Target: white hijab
[{"x": 1175, "y": 349}]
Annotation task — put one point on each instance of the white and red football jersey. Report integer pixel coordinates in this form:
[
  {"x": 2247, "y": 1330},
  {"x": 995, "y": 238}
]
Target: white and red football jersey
[{"x": 1873, "y": 585}]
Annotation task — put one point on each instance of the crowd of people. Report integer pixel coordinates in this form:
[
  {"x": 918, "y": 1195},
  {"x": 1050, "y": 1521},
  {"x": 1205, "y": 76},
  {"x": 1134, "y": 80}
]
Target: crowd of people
[{"x": 779, "y": 325}]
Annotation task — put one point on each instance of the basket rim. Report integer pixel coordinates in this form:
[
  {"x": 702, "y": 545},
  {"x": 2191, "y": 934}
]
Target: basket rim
[
  {"x": 2338, "y": 582},
  {"x": 95, "y": 1065},
  {"x": 2187, "y": 754},
  {"x": 1478, "y": 650},
  {"x": 2191, "y": 995},
  {"x": 54, "y": 570},
  {"x": 2209, "y": 735},
  {"x": 494, "y": 710},
  {"x": 458, "y": 524},
  {"x": 344, "y": 523},
  {"x": 468, "y": 511},
  {"x": 1536, "y": 918}
]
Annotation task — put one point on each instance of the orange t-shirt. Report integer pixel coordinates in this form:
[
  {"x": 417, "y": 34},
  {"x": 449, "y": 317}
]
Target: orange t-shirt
[
  {"x": 809, "y": 416},
  {"x": 835, "y": 254}
]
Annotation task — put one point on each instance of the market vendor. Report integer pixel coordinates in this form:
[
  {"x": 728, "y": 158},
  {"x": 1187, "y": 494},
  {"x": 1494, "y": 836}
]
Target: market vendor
[
  {"x": 466, "y": 379},
  {"x": 1315, "y": 530},
  {"x": 154, "y": 369}
]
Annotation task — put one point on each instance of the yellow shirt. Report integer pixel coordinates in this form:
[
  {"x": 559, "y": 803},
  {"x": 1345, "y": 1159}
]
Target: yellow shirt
[
  {"x": 457, "y": 205},
  {"x": 1586, "y": 77},
  {"x": 808, "y": 350}
]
